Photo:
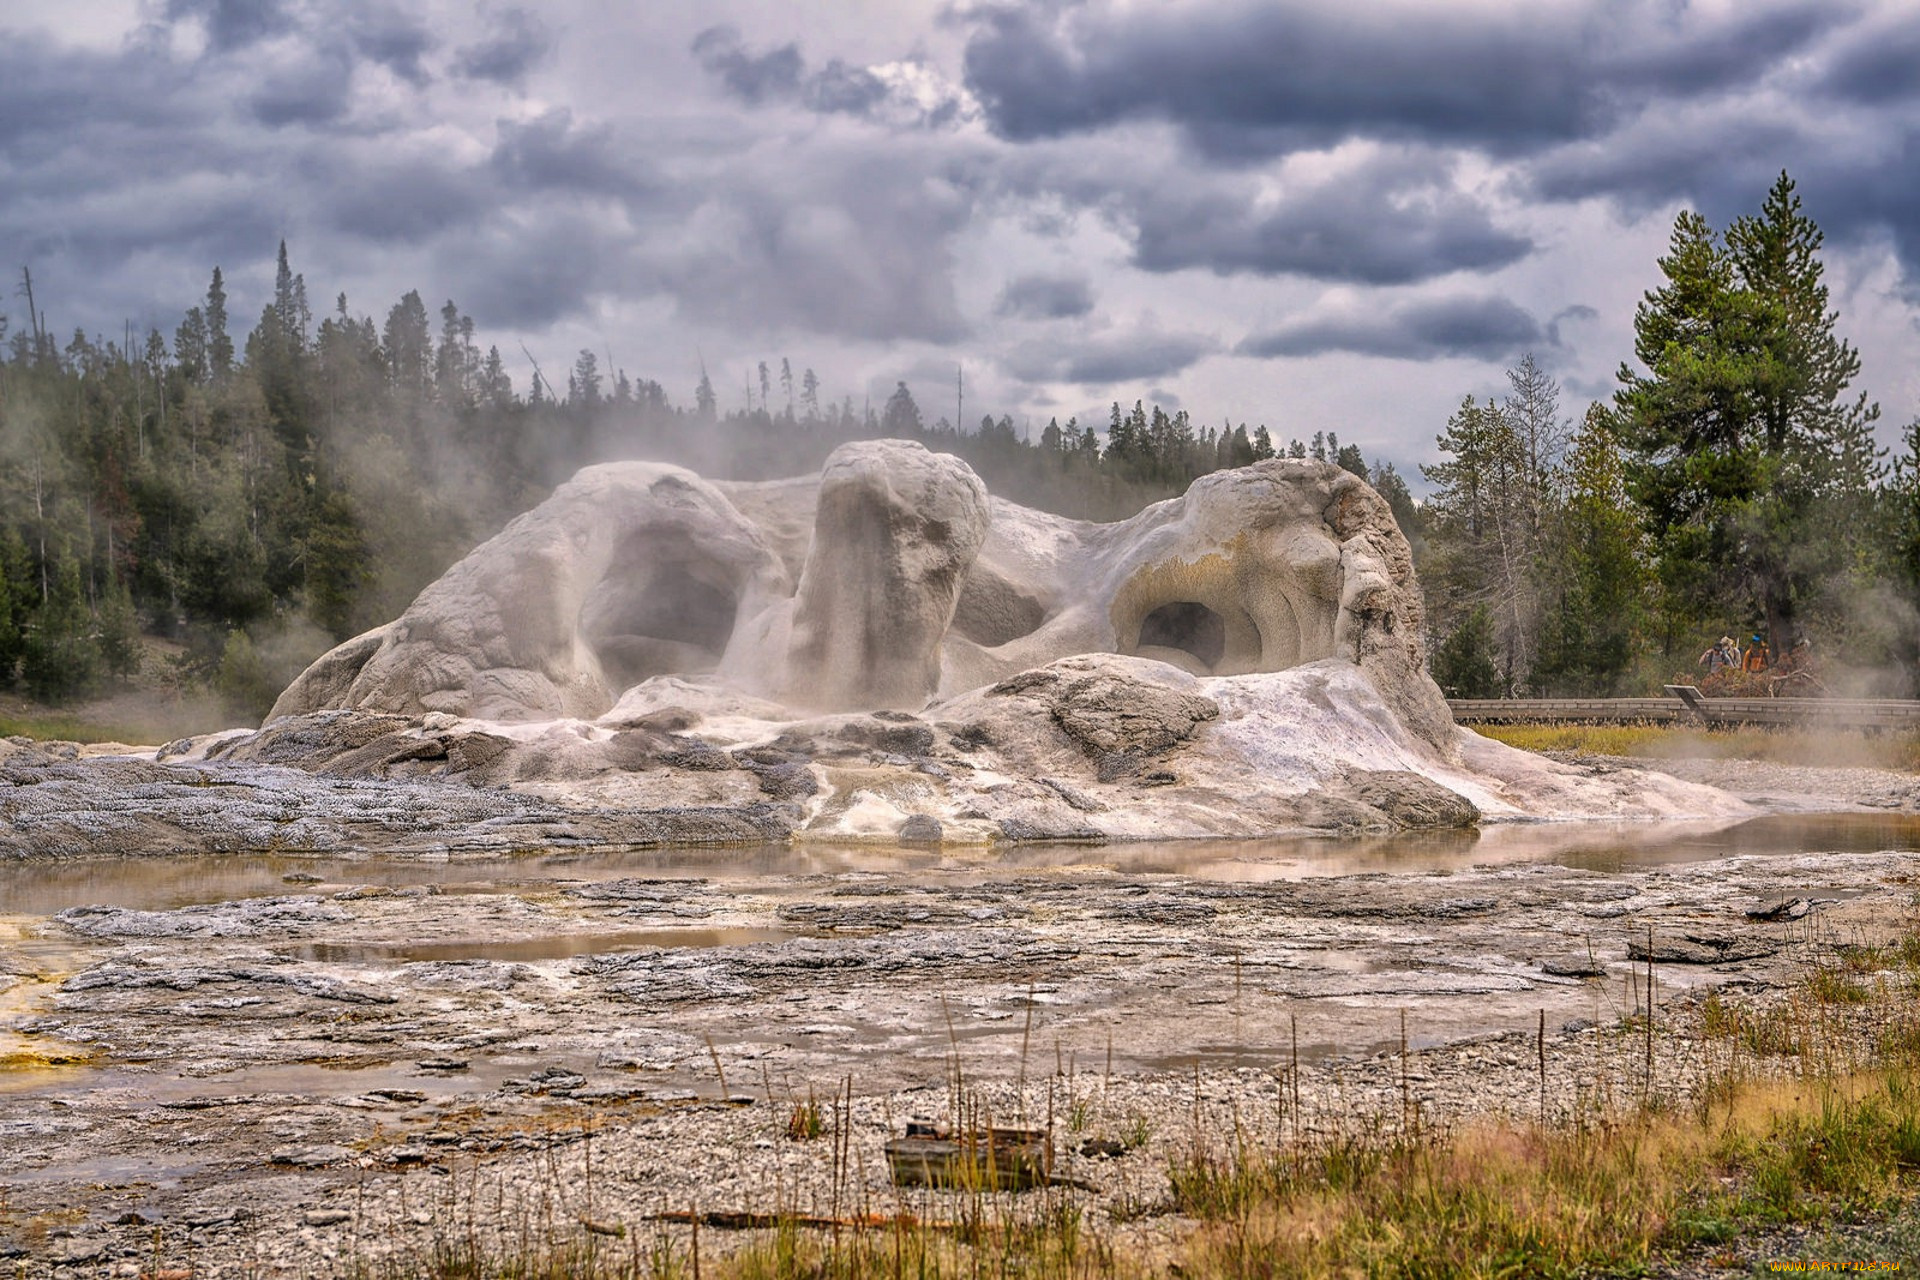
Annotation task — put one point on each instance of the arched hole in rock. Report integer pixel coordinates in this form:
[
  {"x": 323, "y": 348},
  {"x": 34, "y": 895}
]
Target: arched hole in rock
[
  {"x": 992, "y": 611},
  {"x": 668, "y": 618},
  {"x": 1186, "y": 625}
]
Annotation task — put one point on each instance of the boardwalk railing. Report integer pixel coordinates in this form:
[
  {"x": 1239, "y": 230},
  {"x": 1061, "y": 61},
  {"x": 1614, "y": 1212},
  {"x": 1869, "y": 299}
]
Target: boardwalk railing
[{"x": 1686, "y": 705}]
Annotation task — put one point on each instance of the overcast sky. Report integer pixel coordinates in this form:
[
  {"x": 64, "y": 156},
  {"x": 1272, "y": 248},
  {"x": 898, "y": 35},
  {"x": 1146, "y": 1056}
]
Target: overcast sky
[{"x": 1316, "y": 214}]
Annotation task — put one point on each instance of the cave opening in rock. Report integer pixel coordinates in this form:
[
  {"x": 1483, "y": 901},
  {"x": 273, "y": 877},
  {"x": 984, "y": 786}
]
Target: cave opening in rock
[
  {"x": 675, "y": 605},
  {"x": 1186, "y": 625},
  {"x": 992, "y": 611},
  {"x": 669, "y": 619}
]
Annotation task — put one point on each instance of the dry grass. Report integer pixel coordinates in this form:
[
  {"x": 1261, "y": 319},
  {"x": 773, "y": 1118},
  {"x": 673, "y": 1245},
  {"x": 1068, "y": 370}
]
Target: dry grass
[
  {"x": 1810, "y": 1119},
  {"x": 1899, "y": 751},
  {"x": 1505, "y": 1200},
  {"x": 57, "y": 727}
]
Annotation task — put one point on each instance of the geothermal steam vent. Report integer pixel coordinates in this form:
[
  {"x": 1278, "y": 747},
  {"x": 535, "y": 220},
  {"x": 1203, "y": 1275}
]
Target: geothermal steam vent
[{"x": 886, "y": 648}]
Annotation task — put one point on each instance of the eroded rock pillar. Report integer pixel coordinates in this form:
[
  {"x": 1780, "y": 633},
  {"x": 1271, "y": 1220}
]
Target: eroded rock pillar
[{"x": 895, "y": 530}]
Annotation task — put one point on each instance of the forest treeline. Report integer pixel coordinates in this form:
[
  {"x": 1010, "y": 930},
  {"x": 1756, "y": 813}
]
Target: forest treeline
[
  {"x": 1731, "y": 486},
  {"x": 257, "y": 493}
]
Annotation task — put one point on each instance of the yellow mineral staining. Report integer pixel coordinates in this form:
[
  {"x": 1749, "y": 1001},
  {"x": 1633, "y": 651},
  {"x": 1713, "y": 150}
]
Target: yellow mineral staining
[{"x": 27, "y": 986}]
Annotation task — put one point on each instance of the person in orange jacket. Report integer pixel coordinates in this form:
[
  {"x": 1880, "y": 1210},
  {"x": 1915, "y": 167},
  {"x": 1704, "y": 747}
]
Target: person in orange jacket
[{"x": 1755, "y": 658}]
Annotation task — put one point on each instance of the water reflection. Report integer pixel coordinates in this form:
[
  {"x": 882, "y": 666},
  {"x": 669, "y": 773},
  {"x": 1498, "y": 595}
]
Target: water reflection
[
  {"x": 529, "y": 950},
  {"x": 161, "y": 883}
]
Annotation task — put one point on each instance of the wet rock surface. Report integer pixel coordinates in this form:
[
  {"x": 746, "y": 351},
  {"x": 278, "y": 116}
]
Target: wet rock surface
[
  {"x": 1095, "y": 747},
  {"x": 299, "y": 1079}
]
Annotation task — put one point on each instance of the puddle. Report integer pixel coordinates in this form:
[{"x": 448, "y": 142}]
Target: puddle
[
  {"x": 166, "y": 883},
  {"x": 558, "y": 947}
]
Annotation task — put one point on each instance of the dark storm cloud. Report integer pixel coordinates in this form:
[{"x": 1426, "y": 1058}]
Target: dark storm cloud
[
  {"x": 552, "y": 152},
  {"x": 394, "y": 40},
  {"x": 1046, "y": 297},
  {"x": 1394, "y": 220},
  {"x": 50, "y": 94},
  {"x": 108, "y": 159},
  {"x": 1479, "y": 328},
  {"x": 313, "y": 89},
  {"x": 234, "y": 24},
  {"x": 99, "y": 239},
  {"x": 752, "y": 78},
  {"x": 1248, "y": 79},
  {"x": 518, "y": 42},
  {"x": 546, "y": 264},
  {"x": 847, "y": 89},
  {"x": 1876, "y": 66},
  {"x": 395, "y": 197},
  {"x": 1128, "y": 356},
  {"x": 1722, "y": 165},
  {"x": 781, "y": 75},
  {"x": 1866, "y": 200},
  {"x": 1854, "y": 181},
  {"x": 379, "y": 32}
]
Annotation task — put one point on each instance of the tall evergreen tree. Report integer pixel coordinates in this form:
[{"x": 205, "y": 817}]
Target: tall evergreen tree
[
  {"x": 190, "y": 346},
  {"x": 901, "y": 417},
  {"x": 219, "y": 342},
  {"x": 1740, "y": 427},
  {"x": 407, "y": 346},
  {"x": 705, "y": 404},
  {"x": 1597, "y": 584},
  {"x": 1480, "y": 553}
]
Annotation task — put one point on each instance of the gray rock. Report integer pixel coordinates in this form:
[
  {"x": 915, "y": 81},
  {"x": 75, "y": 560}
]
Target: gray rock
[
  {"x": 316, "y": 1157},
  {"x": 82, "y": 1249},
  {"x": 920, "y": 829},
  {"x": 1700, "y": 948},
  {"x": 249, "y": 917},
  {"x": 1573, "y": 967}
]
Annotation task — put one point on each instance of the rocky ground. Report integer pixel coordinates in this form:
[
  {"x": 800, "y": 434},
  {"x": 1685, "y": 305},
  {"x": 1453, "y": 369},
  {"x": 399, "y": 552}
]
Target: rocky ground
[
  {"x": 252, "y": 1066},
  {"x": 1783, "y": 787}
]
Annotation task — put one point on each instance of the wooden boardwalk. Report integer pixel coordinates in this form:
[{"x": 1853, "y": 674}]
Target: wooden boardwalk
[{"x": 1685, "y": 705}]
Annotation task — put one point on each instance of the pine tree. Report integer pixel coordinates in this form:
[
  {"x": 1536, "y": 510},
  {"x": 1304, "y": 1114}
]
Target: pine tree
[
  {"x": 9, "y": 626},
  {"x": 456, "y": 366},
  {"x": 190, "y": 346},
  {"x": 1599, "y": 584},
  {"x": 117, "y": 627},
  {"x": 61, "y": 658},
  {"x": 705, "y": 403},
  {"x": 584, "y": 382},
  {"x": 901, "y": 417},
  {"x": 407, "y": 346},
  {"x": 1480, "y": 554},
  {"x": 1463, "y": 664},
  {"x": 810, "y": 395},
  {"x": 1739, "y": 429},
  {"x": 219, "y": 343},
  {"x": 1533, "y": 408}
]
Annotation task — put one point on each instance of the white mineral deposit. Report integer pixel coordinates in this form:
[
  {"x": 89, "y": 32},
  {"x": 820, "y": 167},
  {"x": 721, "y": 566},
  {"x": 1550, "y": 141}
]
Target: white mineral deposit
[{"x": 837, "y": 657}]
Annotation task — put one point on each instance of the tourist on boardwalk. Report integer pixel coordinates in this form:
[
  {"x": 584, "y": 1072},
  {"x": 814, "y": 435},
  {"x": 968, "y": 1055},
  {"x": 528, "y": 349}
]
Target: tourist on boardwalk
[{"x": 1722, "y": 656}]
